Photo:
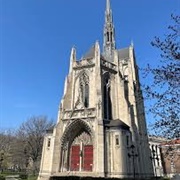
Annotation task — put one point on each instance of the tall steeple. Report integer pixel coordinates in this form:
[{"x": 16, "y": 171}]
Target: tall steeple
[{"x": 109, "y": 33}]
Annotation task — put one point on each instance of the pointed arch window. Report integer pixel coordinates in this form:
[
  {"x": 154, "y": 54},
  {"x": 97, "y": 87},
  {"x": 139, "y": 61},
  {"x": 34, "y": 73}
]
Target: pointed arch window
[
  {"x": 107, "y": 97},
  {"x": 111, "y": 36},
  {"x": 86, "y": 94},
  {"x": 108, "y": 38},
  {"x": 84, "y": 89}
]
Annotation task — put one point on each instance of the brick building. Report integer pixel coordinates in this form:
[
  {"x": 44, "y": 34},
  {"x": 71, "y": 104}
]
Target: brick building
[
  {"x": 171, "y": 157},
  {"x": 165, "y": 156}
]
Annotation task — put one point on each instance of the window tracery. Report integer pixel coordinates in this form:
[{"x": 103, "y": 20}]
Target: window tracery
[
  {"x": 84, "y": 89},
  {"x": 83, "y": 137},
  {"x": 106, "y": 97}
]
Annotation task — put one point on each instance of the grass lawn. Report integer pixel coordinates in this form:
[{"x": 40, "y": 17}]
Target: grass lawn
[{"x": 30, "y": 177}]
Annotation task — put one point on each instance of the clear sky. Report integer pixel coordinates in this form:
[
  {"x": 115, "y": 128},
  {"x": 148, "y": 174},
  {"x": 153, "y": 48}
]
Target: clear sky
[{"x": 36, "y": 37}]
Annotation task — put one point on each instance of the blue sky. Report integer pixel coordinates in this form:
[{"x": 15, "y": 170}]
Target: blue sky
[{"x": 36, "y": 37}]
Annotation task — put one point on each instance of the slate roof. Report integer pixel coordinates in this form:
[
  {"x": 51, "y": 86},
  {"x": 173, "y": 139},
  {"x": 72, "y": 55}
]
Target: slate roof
[
  {"x": 123, "y": 53},
  {"x": 90, "y": 54}
]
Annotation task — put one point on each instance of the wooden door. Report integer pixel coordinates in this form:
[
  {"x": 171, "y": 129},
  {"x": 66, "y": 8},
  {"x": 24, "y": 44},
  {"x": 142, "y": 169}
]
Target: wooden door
[
  {"x": 75, "y": 158},
  {"x": 87, "y": 158}
]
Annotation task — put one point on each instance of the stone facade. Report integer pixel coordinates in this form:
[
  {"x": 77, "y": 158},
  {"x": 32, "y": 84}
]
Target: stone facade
[
  {"x": 156, "y": 154},
  {"x": 101, "y": 127}
]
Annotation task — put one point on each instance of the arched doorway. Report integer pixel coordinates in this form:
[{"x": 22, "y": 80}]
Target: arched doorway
[
  {"x": 77, "y": 147},
  {"x": 81, "y": 153}
]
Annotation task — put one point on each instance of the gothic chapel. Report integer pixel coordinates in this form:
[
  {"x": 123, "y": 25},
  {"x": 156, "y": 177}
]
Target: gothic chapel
[{"x": 101, "y": 128}]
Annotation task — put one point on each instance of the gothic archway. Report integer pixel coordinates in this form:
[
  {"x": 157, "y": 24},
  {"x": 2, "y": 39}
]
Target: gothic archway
[{"x": 77, "y": 147}]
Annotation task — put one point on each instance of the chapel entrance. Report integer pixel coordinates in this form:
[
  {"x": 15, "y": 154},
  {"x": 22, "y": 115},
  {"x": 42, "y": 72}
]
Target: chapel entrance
[{"x": 81, "y": 153}]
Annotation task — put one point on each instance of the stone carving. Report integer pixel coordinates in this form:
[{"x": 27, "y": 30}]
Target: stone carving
[
  {"x": 84, "y": 63},
  {"x": 65, "y": 147},
  {"x": 108, "y": 65},
  {"x": 125, "y": 70},
  {"x": 90, "y": 61},
  {"x": 104, "y": 71},
  {"x": 107, "y": 79},
  {"x": 99, "y": 104},
  {"x": 84, "y": 137},
  {"x": 91, "y": 69},
  {"x": 112, "y": 76},
  {"x": 84, "y": 79},
  {"x": 82, "y": 113},
  {"x": 78, "y": 103},
  {"x": 79, "y": 113}
]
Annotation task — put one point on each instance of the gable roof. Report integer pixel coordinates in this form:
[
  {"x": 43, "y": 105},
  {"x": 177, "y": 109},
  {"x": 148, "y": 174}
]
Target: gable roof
[{"x": 171, "y": 142}]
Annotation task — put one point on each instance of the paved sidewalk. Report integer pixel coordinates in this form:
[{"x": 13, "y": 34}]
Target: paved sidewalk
[
  {"x": 12, "y": 177},
  {"x": 176, "y": 177}
]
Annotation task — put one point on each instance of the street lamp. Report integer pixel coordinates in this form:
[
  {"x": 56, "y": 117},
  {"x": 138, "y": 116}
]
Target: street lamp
[{"x": 133, "y": 155}]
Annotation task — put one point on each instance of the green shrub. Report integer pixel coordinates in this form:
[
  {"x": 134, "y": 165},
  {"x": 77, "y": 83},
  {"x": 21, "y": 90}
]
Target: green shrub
[
  {"x": 23, "y": 176},
  {"x": 2, "y": 177},
  {"x": 31, "y": 177}
]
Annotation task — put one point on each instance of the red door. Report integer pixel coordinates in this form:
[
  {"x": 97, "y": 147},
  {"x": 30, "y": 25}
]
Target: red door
[
  {"x": 75, "y": 160},
  {"x": 88, "y": 158}
]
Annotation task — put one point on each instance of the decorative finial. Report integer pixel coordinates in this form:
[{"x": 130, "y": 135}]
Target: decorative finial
[
  {"x": 108, "y": 6},
  {"x": 132, "y": 43}
]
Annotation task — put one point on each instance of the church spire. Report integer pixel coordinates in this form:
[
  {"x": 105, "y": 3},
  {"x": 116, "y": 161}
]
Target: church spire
[
  {"x": 109, "y": 40},
  {"x": 108, "y": 6}
]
